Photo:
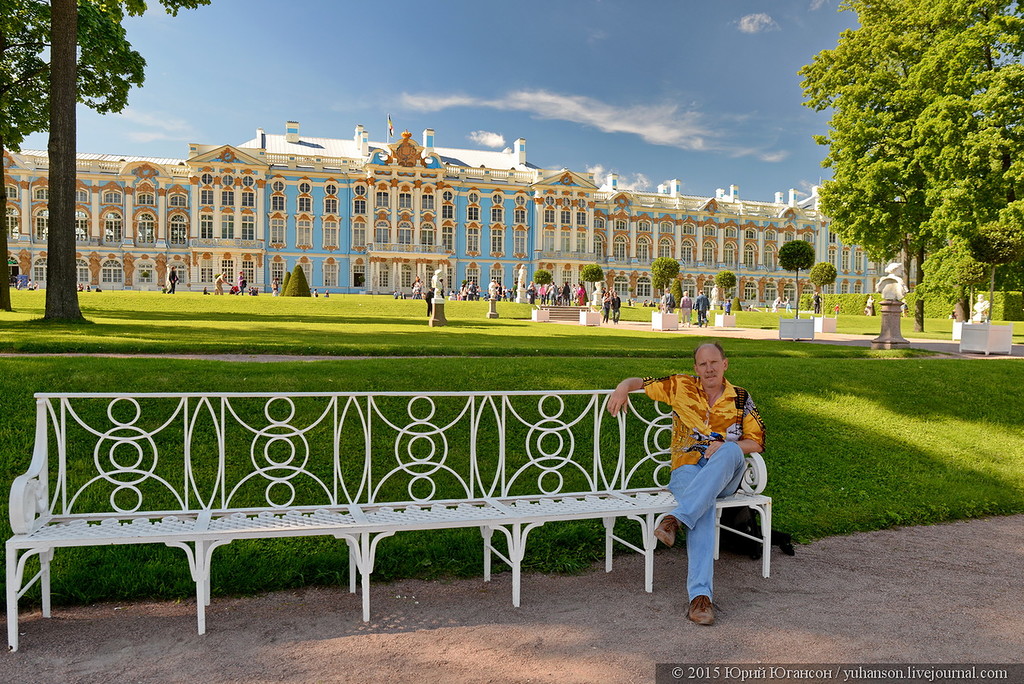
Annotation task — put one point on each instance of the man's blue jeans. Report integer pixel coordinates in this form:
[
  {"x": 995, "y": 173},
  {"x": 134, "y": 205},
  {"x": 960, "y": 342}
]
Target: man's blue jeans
[{"x": 695, "y": 488}]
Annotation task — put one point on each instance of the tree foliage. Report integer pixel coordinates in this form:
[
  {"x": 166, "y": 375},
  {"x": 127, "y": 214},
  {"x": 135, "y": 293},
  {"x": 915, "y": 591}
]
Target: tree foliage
[
  {"x": 726, "y": 280},
  {"x": 663, "y": 270},
  {"x": 995, "y": 244},
  {"x": 927, "y": 129},
  {"x": 950, "y": 273},
  {"x": 796, "y": 255},
  {"x": 591, "y": 273},
  {"x": 822, "y": 273},
  {"x": 542, "y": 276}
]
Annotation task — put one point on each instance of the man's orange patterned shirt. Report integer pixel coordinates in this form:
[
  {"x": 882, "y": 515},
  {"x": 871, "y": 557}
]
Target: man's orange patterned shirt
[{"x": 695, "y": 425}]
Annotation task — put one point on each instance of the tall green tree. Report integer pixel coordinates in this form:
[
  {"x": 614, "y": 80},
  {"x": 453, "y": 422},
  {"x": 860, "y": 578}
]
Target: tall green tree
[
  {"x": 663, "y": 270},
  {"x": 951, "y": 272},
  {"x": 878, "y": 194},
  {"x": 796, "y": 255},
  {"x": 726, "y": 280},
  {"x": 93, "y": 26}
]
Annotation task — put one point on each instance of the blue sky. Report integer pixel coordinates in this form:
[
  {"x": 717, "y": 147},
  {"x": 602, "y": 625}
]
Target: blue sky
[{"x": 701, "y": 90}]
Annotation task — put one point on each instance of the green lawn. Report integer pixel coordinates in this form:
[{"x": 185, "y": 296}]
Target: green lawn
[
  {"x": 852, "y": 445},
  {"x": 358, "y": 325}
]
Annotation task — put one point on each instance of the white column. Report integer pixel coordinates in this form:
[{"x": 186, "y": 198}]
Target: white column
[
  {"x": 161, "y": 215},
  {"x": 26, "y": 211},
  {"x": 631, "y": 225},
  {"x": 96, "y": 229},
  {"x": 194, "y": 213},
  {"x": 261, "y": 214},
  {"x": 129, "y": 220}
]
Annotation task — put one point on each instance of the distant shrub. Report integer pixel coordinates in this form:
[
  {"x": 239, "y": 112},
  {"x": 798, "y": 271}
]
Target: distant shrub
[{"x": 296, "y": 286}]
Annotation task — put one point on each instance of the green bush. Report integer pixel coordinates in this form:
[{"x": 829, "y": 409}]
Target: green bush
[
  {"x": 1008, "y": 306},
  {"x": 850, "y": 304},
  {"x": 296, "y": 285}
]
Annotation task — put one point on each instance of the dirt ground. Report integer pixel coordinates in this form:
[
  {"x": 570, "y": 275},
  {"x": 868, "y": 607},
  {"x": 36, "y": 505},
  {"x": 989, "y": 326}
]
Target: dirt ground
[{"x": 941, "y": 594}]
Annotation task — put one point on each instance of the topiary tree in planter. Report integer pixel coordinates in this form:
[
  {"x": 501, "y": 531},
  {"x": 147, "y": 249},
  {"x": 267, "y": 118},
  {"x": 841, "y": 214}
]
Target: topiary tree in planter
[
  {"x": 796, "y": 255},
  {"x": 996, "y": 244},
  {"x": 542, "y": 276},
  {"x": 677, "y": 291},
  {"x": 297, "y": 285}
]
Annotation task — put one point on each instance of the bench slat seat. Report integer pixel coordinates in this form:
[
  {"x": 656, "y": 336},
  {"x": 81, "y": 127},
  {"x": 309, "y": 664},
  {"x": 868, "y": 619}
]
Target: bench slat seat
[{"x": 360, "y": 467}]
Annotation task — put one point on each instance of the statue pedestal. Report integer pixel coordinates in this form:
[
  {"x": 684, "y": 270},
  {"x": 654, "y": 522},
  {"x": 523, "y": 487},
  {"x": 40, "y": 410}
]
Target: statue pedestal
[
  {"x": 437, "y": 318},
  {"x": 492, "y": 312},
  {"x": 521, "y": 297},
  {"x": 891, "y": 337}
]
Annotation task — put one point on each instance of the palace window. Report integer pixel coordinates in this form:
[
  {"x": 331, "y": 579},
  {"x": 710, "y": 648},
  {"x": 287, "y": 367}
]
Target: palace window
[
  {"x": 359, "y": 190},
  {"x": 81, "y": 196},
  {"x": 277, "y": 271},
  {"x": 473, "y": 198},
  {"x": 206, "y": 179},
  {"x": 305, "y": 187},
  {"x": 39, "y": 271},
  {"x": 689, "y": 229},
  {"x": 111, "y": 272},
  {"x": 619, "y": 248},
  {"x": 359, "y": 234},
  {"x": 12, "y": 192},
  {"x": 497, "y": 241},
  {"x": 277, "y": 186},
  {"x": 566, "y": 217},
  {"x": 405, "y": 233},
  {"x": 81, "y": 226},
  {"x": 621, "y": 285},
  {"x": 206, "y": 197},
  {"x": 42, "y": 194},
  {"x": 497, "y": 215},
  {"x": 665, "y": 247},
  {"x": 750, "y": 291},
  {"x": 382, "y": 232},
  {"x": 643, "y": 286},
  {"x": 519, "y": 215},
  {"x": 383, "y": 198},
  {"x": 307, "y": 269},
  {"x": 330, "y": 234},
  {"x": 112, "y": 228},
  {"x": 749, "y": 234},
  {"x": 405, "y": 200},
  {"x": 248, "y": 181},
  {"x": 277, "y": 203},
  {"x": 749, "y": 256},
  {"x": 846, "y": 260},
  {"x": 729, "y": 255},
  {"x": 687, "y": 252},
  {"x": 248, "y": 198},
  {"x": 305, "y": 205},
  {"x": 179, "y": 230},
  {"x": 497, "y": 273},
  {"x": 206, "y": 271},
  {"x": 448, "y": 238},
  {"x": 566, "y": 241},
  {"x": 427, "y": 235},
  {"x": 665, "y": 227},
  {"x": 358, "y": 275},
  {"x": 206, "y": 226},
  {"x": 330, "y": 275},
  {"x": 549, "y": 240},
  {"x": 447, "y": 211},
  {"x": 620, "y": 224},
  {"x": 709, "y": 231},
  {"x": 427, "y": 202},
  {"x": 111, "y": 197},
  {"x": 519, "y": 238},
  {"x": 473, "y": 240},
  {"x": 769, "y": 257},
  {"x": 769, "y": 236},
  {"x": 359, "y": 207},
  {"x": 581, "y": 241},
  {"x": 644, "y": 227},
  {"x": 598, "y": 224},
  {"x": 227, "y": 181},
  {"x": 549, "y": 216},
  {"x": 249, "y": 271},
  {"x": 472, "y": 213},
  {"x": 147, "y": 230},
  {"x": 599, "y": 246},
  {"x": 248, "y": 227},
  {"x": 277, "y": 230},
  {"x": 178, "y": 200},
  {"x": 82, "y": 271},
  {"x": 643, "y": 249},
  {"x": 520, "y": 200},
  {"x": 145, "y": 198},
  {"x": 331, "y": 205},
  {"x": 227, "y": 227},
  {"x": 710, "y": 251},
  {"x": 13, "y": 222},
  {"x": 473, "y": 275},
  {"x": 730, "y": 232},
  {"x": 331, "y": 189},
  {"x": 227, "y": 267}
]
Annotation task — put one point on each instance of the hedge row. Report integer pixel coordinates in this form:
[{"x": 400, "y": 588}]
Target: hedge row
[{"x": 1007, "y": 306}]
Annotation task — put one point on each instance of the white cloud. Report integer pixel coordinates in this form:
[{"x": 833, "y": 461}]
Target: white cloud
[
  {"x": 776, "y": 156},
  {"x": 756, "y": 23},
  {"x": 160, "y": 126},
  {"x": 628, "y": 181},
  {"x": 664, "y": 124},
  {"x": 487, "y": 139},
  {"x": 817, "y": 4}
]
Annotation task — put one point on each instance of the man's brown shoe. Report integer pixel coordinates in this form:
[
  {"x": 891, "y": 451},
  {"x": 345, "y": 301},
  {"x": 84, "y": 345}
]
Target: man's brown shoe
[
  {"x": 702, "y": 611},
  {"x": 666, "y": 531}
]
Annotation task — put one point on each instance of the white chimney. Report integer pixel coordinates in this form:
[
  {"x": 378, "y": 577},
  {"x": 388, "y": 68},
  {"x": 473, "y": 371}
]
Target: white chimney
[
  {"x": 734, "y": 193},
  {"x": 291, "y": 131},
  {"x": 613, "y": 180},
  {"x": 719, "y": 193},
  {"x": 519, "y": 147},
  {"x": 675, "y": 187},
  {"x": 792, "y": 197},
  {"x": 428, "y": 139},
  {"x": 779, "y": 198},
  {"x": 662, "y": 189},
  {"x": 261, "y": 137}
]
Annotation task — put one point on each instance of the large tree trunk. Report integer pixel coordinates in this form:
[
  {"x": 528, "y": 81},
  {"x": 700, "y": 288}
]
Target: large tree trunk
[
  {"x": 61, "y": 290},
  {"x": 5, "y": 270},
  {"x": 919, "y": 304}
]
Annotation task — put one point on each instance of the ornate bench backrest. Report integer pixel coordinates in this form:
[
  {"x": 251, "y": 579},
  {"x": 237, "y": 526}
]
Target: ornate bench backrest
[{"x": 145, "y": 453}]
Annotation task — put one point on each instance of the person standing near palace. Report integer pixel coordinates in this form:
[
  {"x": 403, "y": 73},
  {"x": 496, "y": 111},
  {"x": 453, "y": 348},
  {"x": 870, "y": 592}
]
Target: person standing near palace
[
  {"x": 686, "y": 308},
  {"x": 702, "y": 304},
  {"x": 714, "y": 425},
  {"x": 173, "y": 280}
]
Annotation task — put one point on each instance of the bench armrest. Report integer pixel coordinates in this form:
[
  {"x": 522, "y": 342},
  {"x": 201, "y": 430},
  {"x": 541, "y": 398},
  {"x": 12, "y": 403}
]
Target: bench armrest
[
  {"x": 27, "y": 504},
  {"x": 755, "y": 477}
]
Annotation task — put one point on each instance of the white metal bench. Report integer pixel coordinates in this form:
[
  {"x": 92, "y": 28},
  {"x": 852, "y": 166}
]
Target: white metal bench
[{"x": 197, "y": 471}]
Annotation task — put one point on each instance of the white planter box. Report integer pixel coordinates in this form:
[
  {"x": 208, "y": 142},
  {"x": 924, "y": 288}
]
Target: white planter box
[
  {"x": 725, "y": 320},
  {"x": 796, "y": 329},
  {"x": 660, "y": 321},
  {"x": 985, "y": 338},
  {"x": 590, "y": 318},
  {"x": 824, "y": 324},
  {"x": 541, "y": 315},
  {"x": 957, "y": 327}
]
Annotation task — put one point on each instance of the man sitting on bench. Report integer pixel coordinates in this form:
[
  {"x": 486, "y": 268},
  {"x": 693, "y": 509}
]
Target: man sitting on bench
[{"x": 714, "y": 423}]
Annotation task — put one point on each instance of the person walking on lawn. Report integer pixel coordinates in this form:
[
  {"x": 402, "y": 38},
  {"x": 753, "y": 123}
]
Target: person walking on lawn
[{"x": 714, "y": 424}]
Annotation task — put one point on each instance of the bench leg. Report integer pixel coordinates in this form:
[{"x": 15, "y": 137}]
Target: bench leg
[
  {"x": 516, "y": 535},
  {"x": 609, "y": 527},
  {"x": 15, "y": 574},
  {"x": 766, "y": 539},
  {"x": 487, "y": 533},
  {"x": 44, "y": 561},
  {"x": 365, "y": 552},
  {"x": 13, "y": 583},
  {"x": 351, "y": 565}
]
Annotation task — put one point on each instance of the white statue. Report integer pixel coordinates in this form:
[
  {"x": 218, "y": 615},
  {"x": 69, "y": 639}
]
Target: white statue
[
  {"x": 714, "y": 297},
  {"x": 981, "y": 308},
  {"x": 598, "y": 299},
  {"x": 891, "y": 285},
  {"x": 437, "y": 284},
  {"x": 522, "y": 277}
]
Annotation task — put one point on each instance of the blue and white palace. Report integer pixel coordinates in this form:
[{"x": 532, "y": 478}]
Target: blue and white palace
[{"x": 361, "y": 216}]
